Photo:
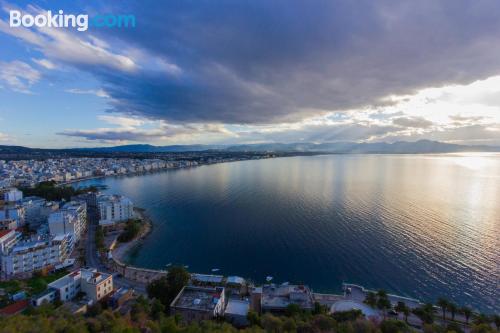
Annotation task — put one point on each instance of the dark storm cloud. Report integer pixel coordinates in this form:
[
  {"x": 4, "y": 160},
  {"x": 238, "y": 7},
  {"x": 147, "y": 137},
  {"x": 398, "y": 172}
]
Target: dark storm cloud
[
  {"x": 265, "y": 61},
  {"x": 270, "y": 61}
]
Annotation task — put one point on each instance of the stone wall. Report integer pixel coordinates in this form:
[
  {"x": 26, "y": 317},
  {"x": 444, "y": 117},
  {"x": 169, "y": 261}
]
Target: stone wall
[{"x": 143, "y": 275}]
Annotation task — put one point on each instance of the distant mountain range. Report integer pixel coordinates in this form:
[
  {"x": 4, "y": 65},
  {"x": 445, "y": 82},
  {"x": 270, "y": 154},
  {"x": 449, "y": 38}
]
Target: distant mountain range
[{"x": 401, "y": 147}]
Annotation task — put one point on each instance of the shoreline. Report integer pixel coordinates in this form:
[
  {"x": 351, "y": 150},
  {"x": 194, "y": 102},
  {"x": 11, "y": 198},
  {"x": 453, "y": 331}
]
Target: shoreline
[{"x": 120, "y": 251}]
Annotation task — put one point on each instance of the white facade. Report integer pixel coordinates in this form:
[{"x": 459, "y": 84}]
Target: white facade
[
  {"x": 36, "y": 254},
  {"x": 68, "y": 286},
  {"x": 69, "y": 220},
  {"x": 8, "y": 238},
  {"x": 114, "y": 208},
  {"x": 94, "y": 284},
  {"x": 13, "y": 195}
]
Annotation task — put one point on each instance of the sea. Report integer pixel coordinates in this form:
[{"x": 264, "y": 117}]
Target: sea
[{"x": 422, "y": 226}]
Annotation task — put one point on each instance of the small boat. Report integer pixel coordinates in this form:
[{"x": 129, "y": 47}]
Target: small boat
[
  {"x": 285, "y": 283},
  {"x": 169, "y": 264},
  {"x": 269, "y": 278},
  {"x": 186, "y": 266},
  {"x": 215, "y": 269}
]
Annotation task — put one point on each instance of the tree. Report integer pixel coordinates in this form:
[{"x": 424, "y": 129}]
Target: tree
[
  {"x": 292, "y": 310},
  {"x": 401, "y": 307},
  {"x": 496, "y": 320},
  {"x": 253, "y": 318},
  {"x": 481, "y": 318},
  {"x": 393, "y": 326},
  {"x": 383, "y": 304},
  {"x": 452, "y": 307},
  {"x": 454, "y": 327},
  {"x": 467, "y": 312},
  {"x": 425, "y": 313},
  {"x": 131, "y": 230},
  {"x": 350, "y": 315},
  {"x": 289, "y": 325},
  {"x": 157, "y": 309},
  {"x": 371, "y": 299},
  {"x": 271, "y": 323},
  {"x": 324, "y": 323},
  {"x": 443, "y": 303},
  {"x": 319, "y": 309},
  {"x": 166, "y": 288}
]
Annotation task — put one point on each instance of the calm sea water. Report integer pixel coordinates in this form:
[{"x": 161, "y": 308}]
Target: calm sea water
[{"x": 417, "y": 225}]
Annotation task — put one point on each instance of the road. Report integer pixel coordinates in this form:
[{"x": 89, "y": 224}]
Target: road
[{"x": 92, "y": 260}]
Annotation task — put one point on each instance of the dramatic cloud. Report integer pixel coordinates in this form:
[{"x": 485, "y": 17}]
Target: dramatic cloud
[
  {"x": 286, "y": 71},
  {"x": 18, "y": 75},
  {"x": 264, "y": 61}
]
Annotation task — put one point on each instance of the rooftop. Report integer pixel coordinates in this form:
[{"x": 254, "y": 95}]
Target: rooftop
[
  {"x": 237, "y": 307},
  {"x": 14, "y": 308},
  {"x": 279, "y": 297},
  {"x": 65, "y": 280},
  {"x": 198, "y": 298},
  {"x": 5, "y": 232},
  {"x": 207, "y": 278}
]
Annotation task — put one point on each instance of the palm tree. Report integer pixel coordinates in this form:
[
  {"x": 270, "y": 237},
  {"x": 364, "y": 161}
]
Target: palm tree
[
  {"x": 453, "y": 309},
  {"x": 383, "y": 304},
  {"x": 467, "y": 313},
  {"x": 443, "y": 303},
  {"x": 371, "y": 299},
  {"x": 406, "y": 312},
  {"x": 401, "y": 307},
  {"x": 496, "y": 320},
  {"x": 382, "y": 293}
]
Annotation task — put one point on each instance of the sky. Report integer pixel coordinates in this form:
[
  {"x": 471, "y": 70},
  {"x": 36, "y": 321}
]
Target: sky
[{"x": 229, "y": 72}]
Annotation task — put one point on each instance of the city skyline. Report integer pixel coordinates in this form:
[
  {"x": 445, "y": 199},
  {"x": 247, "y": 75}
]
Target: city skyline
[{"x": 233, "y": 73}]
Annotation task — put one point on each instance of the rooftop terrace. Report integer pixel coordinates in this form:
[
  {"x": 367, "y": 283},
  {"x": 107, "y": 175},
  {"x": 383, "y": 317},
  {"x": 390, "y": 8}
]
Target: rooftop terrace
[{"x": 197, "y": 298}]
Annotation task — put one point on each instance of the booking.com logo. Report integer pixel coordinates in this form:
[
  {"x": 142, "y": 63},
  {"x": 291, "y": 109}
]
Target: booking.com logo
[{"x": 60, "y": 20}]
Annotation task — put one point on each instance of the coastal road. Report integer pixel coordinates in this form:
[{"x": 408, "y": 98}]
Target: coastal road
[{"x": 92, "y": 260}]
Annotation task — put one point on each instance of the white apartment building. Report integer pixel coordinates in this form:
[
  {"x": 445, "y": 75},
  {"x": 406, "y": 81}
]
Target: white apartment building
[
  {"x": 13, "y": 195},
  {"x": 68, "y": 286},
  {"x": 13, "y": 212},
  {"x": 37, "y": 211},
  {"x": 8, "y": 224},
  {"x": 71, "y": 219},
  {"x": 36, "y": 254},
  {"x": 8, "y": 238},
  {"x": 114, "y": 208},
  {"x": 94, "y": 284}
]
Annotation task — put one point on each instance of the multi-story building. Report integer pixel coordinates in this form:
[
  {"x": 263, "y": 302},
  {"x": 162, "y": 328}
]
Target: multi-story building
[
  {"x": 8, "y": 224},
  {"x": 8, "y": 238},
  {"x": 36, "y": 254},
  {"x": 276, "y": 298},
  {"x": 113, "y": 209},
  {"x": 68, "y": 286},
  {"x": 13, "y": 195},
  {"x": 13, "y": 212},
  {"x": 94, "y": 284},
  {"x": 71, "y": 219},
  {"x": 198, "y": 303},
  {"x": 37, "y": 211}
]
